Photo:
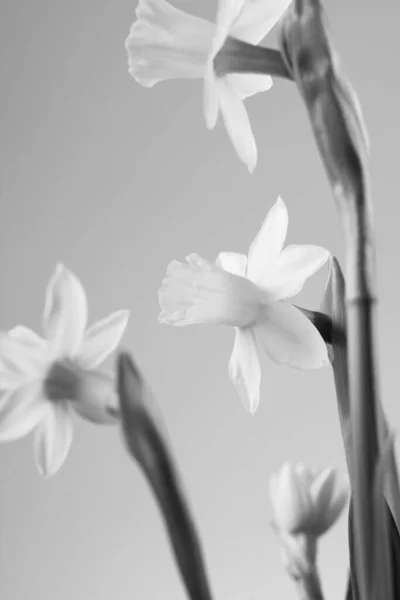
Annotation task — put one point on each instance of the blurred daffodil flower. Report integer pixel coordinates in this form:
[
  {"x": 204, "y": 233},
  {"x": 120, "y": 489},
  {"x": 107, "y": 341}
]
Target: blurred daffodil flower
[
  {"x": 167, "y": 43},
  {"x": 247, "y": 292},
  {"x": 307, "y": 501},
  {"x": 41, "y": 379}
]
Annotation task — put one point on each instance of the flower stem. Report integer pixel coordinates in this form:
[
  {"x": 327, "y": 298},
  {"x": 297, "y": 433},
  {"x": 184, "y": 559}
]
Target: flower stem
[
  {"x": 337, "y": 124},
  {"x": 309, "y": 586},
  {"x": 237, "y": 56}
]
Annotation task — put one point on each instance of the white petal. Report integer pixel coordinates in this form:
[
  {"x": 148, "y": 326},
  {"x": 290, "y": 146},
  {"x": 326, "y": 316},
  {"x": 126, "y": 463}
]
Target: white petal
[
  {"x": 20, "y": 411},
  {"x": 248, "y": 84},
  {"x": 337, "y": 502},
  {"x": 65, "y": 314},
  {"x": 201, "y": 292},
  {"x": 167, "y": 43},
  {"x": 228, "y": 12},
  {"x": 237, "y": 124},
  {"x": 268, "y": 243},
  {"x": 53, "y": 439},
  {"x": 211, "y": 93},
  {"x": 101, "y": 339},
  {"x": 293, "y": 503},
  {"x": 232, "y": 262},
  {"x": 28, "y": 336},
  {"x": 294, "y": 266},
  {"x": 244, "y": 368},
  {"x": 288, "y": 337},
  {"x": 305, "y": 475},
  {"x": 23, "y": 355},
  {"x": 257, "y": 18},
  {"x": 321, "y": 492}
]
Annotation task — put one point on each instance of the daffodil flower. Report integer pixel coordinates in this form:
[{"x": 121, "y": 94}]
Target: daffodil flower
[
  {"x": 307, "y": 501},
  {"x": 42, "y": 379},
  {"x": 248, "y": 293},
  {"x": 167, "y": 43}
]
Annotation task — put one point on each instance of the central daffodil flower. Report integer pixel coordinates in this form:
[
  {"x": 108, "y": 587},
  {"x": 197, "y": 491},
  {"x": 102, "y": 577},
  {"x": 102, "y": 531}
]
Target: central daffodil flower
[{"x": 248, "y": 293}]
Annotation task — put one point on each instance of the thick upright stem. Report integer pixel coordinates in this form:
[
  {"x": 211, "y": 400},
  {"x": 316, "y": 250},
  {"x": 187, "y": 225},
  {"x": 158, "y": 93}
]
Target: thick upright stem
[{"x": 340, "y": 135}]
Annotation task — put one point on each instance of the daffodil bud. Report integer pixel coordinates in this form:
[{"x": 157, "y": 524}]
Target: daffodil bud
[{"x": 307, "y": 501}]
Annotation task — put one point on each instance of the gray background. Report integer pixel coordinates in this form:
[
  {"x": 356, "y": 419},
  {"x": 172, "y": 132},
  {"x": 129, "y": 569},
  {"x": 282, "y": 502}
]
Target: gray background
[{"x": 116, "y": 181}]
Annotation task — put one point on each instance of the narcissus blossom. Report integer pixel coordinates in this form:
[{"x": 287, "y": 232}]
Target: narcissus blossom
[
  {"x": 41, "y": 379},
  {"x": 248, "y": 293},
  {"x": 167, "y": 43},
  {"x": 307, "y": 501}
]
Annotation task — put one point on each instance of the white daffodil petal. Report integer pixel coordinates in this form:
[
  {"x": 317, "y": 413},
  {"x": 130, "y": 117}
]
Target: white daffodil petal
[
  {"x": 53, "y": 439},
  {"x": 211, "y": 92},
  {"x": 9, "y": 379},
  {"x": 321, "y": 491},
  {"x": 338, "y": 500},
  {"x": 257, "y": 18},
  {"x": 20, "y": 411},
  {"x": 248, "y": 84},
  {"x": 305, "y": 475},
  {"x": 24, "y": 334},
  {"x": 288, "y": 337},
  {"x": 238, "y": 126},
  {"x": 65, "y": 314},
  {"x": 167, "y": 43},
  {"x": 232, "y": 262},
  {"x": 201, "y": 292},
  {"x": 101, "y": 339},
  {"x": 294, "y": 266},
  {"x": 21, "y": 356},
  {"x": 268, "y": 243},
  {"x": 228, "y": 12},
  {"x": 293, "y": 501},
  {"x": 245, "y": 370}
]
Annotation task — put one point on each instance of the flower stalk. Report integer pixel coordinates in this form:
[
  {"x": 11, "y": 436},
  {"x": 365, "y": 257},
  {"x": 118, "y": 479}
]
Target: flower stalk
[
  {"x": 146, "y": 443},
  {"x": 237, "y": 56},
  {"x": 309, "y": 586},
  {"x": 337, "y": 125}
]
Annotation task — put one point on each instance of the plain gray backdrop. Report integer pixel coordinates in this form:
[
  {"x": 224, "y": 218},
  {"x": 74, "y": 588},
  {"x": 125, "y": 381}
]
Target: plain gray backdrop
[{"x": 115, "y": 181}]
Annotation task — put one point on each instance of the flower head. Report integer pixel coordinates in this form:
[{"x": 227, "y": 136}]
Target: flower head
[
  {"x": 248, "y": 292},
  {"x": 167, "y": 43},
  {"x": 307, "y": 501},
  {"x": 42, "y": 378}
]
